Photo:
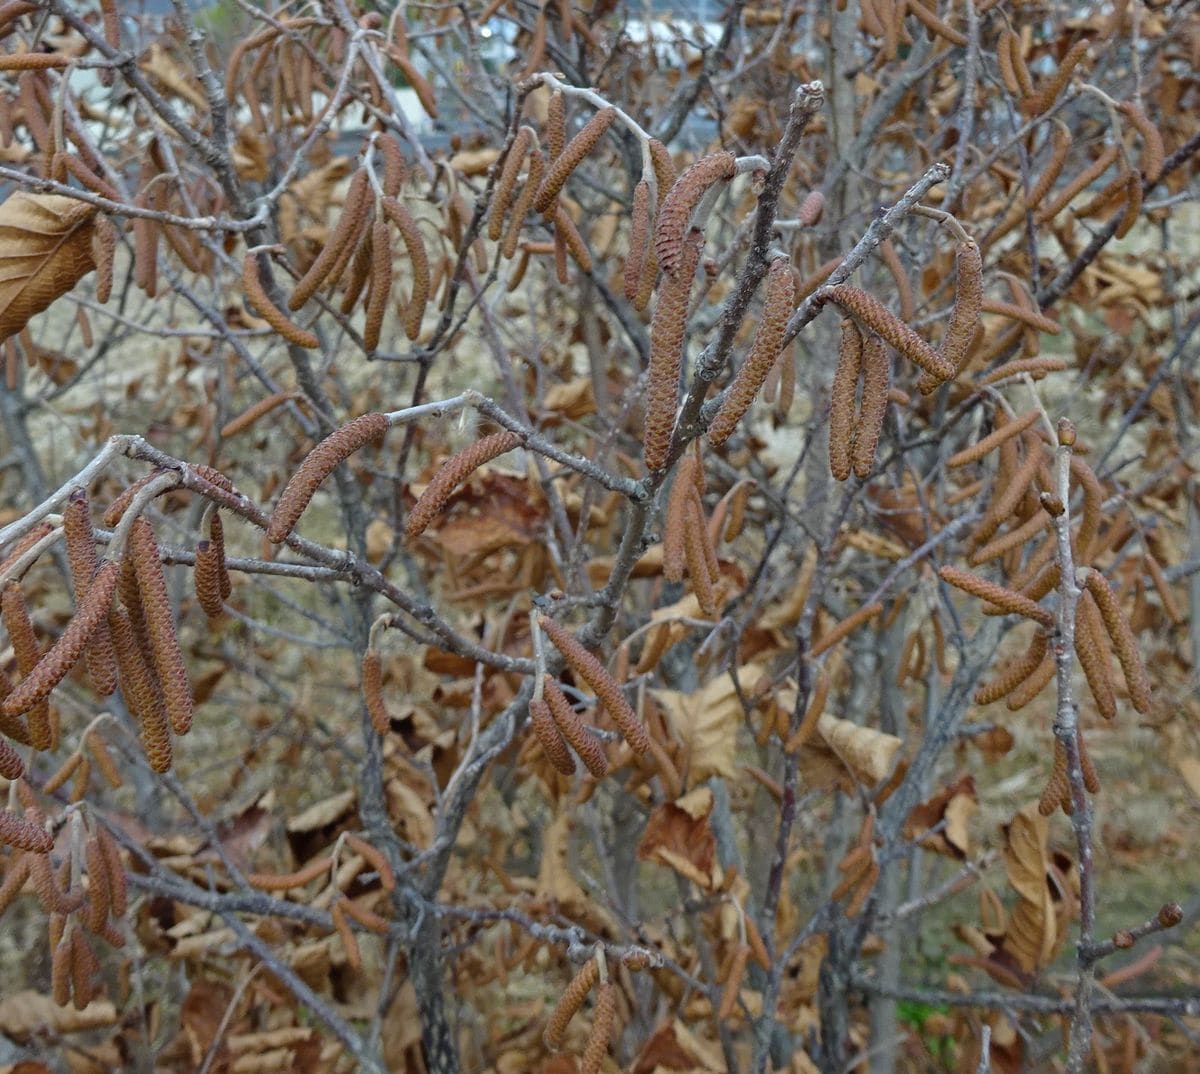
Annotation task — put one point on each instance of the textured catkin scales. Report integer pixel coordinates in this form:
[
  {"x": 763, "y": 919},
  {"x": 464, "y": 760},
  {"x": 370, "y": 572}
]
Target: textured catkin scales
[
  {"x": 24, "y": 834},
  {"x": 372, "y": 688},
  {"x": 993, "y": 440},
  {"x": 454, "y": 472},
  {"x": 571, "y": 1000},
  {"x": 54, "y": 666},
  {"x": 1036, "y": 104},
  {"x": 1057, "y": 787},
  {"x": 28, "y": 652},
  {"x": 1153, "y": 150},
  {"x": 778, "y": 303},
  {"x": 871, "y": 313},
  {"x": 602, "y": 1026},
  {"x": 639, "y": 239},
  {"x": 1137, "y": 682},
  {"x": 379, "y": 288},
  {"x": 674, "y": 548},
  {"x": 964, "y": 318},
  {"x": 141, "y": 691},
  {"x": 846, "y": 626},
  {"x": 663, "y": 166},
  {"x": 81, "y": 556},
  {"x": 506, "y": 183},
  {"x": 394, "y": 168},
  {"x": 164, "y": 641},
  {"x": 605, "y": 687},
  {"x": 418, "y": 259},
  {"x": 696, "y": 552},
  {"x": 1093, "y": 655},
  {"x": 15, "y": 876},
  {"x": 318, "y": 464},
  {"x": 675, "y": 210},
  {"x": 1003, "y": 597},
  {"x": 811, "y": 208},
  {"x": 667, "y": 331},
  {"x": 524, "y": 202},
  {"x": 272, "y": 314},
  {"x": 569, "y": 722},
  {"x": 550, "y": 738},
  {"x": 1027, "y": 690},
  {"x": 571, "y": 157},
  {"x": 104, "y": 245},
  {"x": 841, "y": 405},
  {"x": 207, "y": 579},
  {"x": 877, "y": 378},
  {"x": 733, "y": 981},
  {"x": 11, "y": 765},
  {"x": 352, "y": 217},
  {"x": 1016, "y": 672}
]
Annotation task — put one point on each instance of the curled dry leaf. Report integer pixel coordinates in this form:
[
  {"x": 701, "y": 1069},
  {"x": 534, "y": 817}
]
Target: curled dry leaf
[{"x": 47, "y": 244}]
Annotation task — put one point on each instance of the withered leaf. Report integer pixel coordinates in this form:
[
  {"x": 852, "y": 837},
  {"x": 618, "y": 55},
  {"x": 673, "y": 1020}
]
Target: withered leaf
[{"x": 46, "y": 244}]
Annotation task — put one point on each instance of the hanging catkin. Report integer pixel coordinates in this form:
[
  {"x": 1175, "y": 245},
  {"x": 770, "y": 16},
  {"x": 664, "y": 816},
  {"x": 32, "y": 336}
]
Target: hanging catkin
[
  {"x": 207, "y": 580},
  {"x": 353, "y": 216},
  {"x": 877, "y": 376},
  {"x": 605, "y": 687},
  {"x": 1008, "y": 599},
  {"x": 81, "y": 556},
  {"x": 418, "y": 259},
  {"x": 674, "y": 547},
  {"x": 573, "y": 729},
  {"x": 27, "y": 652},
  {"x": 811, "y": 208},
  {"x": 318, "y": 464},
  {"x": 372, "y": 688},
  {"x": 993, "y": 440},
  {"x": 380, "y": 287},
  {"x": 1137, "y": 682},
  {"x": 571, "y": 157},
  {"x": 675, "y": 211},
  {"x": 164, "y": 641},
  {"x": 104, "y": 245},
  {"x": 556, "y": 125},
  {"x": 602, "y": 1025},
  {"x": 695, "y": 540},
  {"x": 524, "y": 202},
  {"x": 1015, "y": 672},
  {"x": 1153, "y": 151},
  {"x": 904, "y": 292},
  {"x": 845, "y": 627},
  {"x": 1040, "y": 101},
  {"x": 778, "y": 303},
  {"x": 1084, "y": 179},
  {"x": 571, "y": 1000},
  {"x": 1093, "y": 655},
  {"x": 506, "y": 183},
  {"x": 453, "y": 472},
  {"x": 141, "y": 691},
  {"x": 394, "y": 168},
  {"x": 964, "y": 318},
  {"x": 663, "y": 166},
  {"x": 1032, "y": 686},
  {"x": 24, "y": 834},
  {"x": 841, "y": 406},
  {"x": 1058, "y": 788},
  {"x": 550, "y": 738},
  {"x": 54, "y": 666},
  {"x": 871, "y": 313},
  {"x": 667, "y": 331},
  {"x": 272, "y": 314},
  {"x": 639, "y": 240}
]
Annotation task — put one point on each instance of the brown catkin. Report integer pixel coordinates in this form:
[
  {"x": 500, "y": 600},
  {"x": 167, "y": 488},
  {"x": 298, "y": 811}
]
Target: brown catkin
[
  {"x": 206, "y": 576},
  {"x": 54, "y": 666},
  {"x": 1153, "y": 151},
  {"x": 556, "y": 124},
  {"x": 1025, "y": 315},
  {"x": 104, "y": 245},
  {"x": 372, "y": 688},
  {"x": 1010, "y": 493},
  {"x": 318, "y": 464},
  {"x": 104, "y": 760},
  {"x": 141, "y": 691},
  {"x": 216, "y": 534},
  {"x": 674, "y": 546},
  {"x": 733, "y": 981},
  {"x": 99, "y": 893},
  {"x": 287, "y": 881},
  {"x": 60, "y": 973},
  {"x": 695, "y": 534},
  {"x": 1137, "y": 682},
  {"x": 81, "y": 556},
  {"x": 351, "y": 219},
  {"x": 380, "y": 287},
  {"x": 145, "y": 249},
  {"x": 567, "y": 234},
  {"x": 1057, "y": 786},
  {"x": 639, "y": 240},
  {"x": 394, "y": 168},
  {"x": 164, "y": 641},
  {"x": 118, "y": 891},
  {"x": 1039, "y": 102},
  {"x": 877, "y": 378},
  {"x": 675, "y": 211},
  {"x": 994, "y": 439},
  {"x": 84, "y": 968},
  {"x": 1037, "y": 368},
  {"x": 374, "y": 858},
  {"x": 550, "y": 738},
  {"x": 27, "y": 652},
  {"x": 524, "y": 202},
  {"x": 904, "y": 291},
  {"x": 778, "y": 303},
  {"x": 1083, "y": 180},
  {"x": 1014, "y": 538},
  {"x": 664, "y": 167},
  {"x": 369, "y": 920},
  {"x": 1015, "y": 672},
  {"x": 1133, "y": 205},
  {"x": 846, "y": 626},
  {"x": 871, "y": 313},
  {"x": 1008, "y": 599},
  {"x": 1093, "y": 655},
  {"x": 667, "y": 334},
  {"x": 418, "y": 260},
  {"x": 24, "y": 833},
  {"x": 506, "y": 183},
  {"x": 605, "y": 687},
  {"x": 570, "y": 158},
  {"x": 1091, "y": 778},
  {"x": 811, "y": 208},
  {"x": 349, "y": 944},
  {"x": 1027, "y": 690},
  {"x": 11, "y": 765},
  {"x": 453, "y": 472},
  {"x": 581, "y": 740},
  {"x": 1159, "y": 579},
  {"x": 1004, "y": 61},
  {"x": 571, "y": 1000},
  {"x": 602, "y": 1026},
  {"x": 272, "y": 314},
  {"x": 841, "y": 406},
  {"x": 14, "y": 880}
]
